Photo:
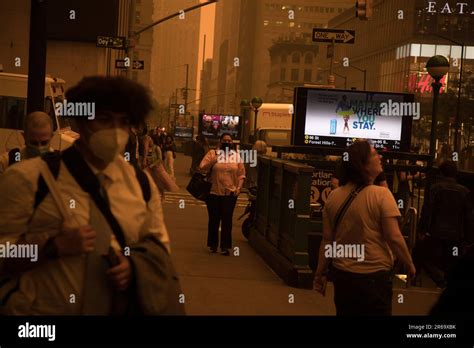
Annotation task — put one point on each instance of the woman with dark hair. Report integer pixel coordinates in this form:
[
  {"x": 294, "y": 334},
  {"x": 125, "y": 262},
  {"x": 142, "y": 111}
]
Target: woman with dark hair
[
  {"x": 360, "y": 236},
  {"x": 227, "y": 174}
]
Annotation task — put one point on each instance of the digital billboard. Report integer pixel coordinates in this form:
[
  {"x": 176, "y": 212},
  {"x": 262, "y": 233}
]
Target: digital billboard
[
  {"x": 335, "y": 118},
  {"x": 214, "y": 125}
]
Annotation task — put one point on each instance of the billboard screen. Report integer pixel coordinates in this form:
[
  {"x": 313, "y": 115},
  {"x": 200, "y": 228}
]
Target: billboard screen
[
  {"x": 214, "y": 125},
  {"x": 335, "y": 118}
]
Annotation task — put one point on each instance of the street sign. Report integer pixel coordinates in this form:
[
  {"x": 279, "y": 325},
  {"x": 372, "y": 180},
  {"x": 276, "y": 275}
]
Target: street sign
[
  {"x": 120, "y": 64},
  {"x": 338, "y": 35},
  {"x": 111, "y": 42},
  {"x": 138, "y": 64}
]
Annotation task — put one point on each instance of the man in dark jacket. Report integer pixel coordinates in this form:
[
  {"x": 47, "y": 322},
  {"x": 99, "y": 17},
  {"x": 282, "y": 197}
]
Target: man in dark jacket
[{"x": 445, "y": 224}]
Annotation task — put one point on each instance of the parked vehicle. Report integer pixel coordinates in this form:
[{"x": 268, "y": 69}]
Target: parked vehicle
[{"x": 13, "y": 93}]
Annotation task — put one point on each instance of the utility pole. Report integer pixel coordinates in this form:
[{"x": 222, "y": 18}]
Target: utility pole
[
  {"x": 37, "y": 56},
  {"x": 131, "y": 35},
  {"x": 186, "y": 92}
]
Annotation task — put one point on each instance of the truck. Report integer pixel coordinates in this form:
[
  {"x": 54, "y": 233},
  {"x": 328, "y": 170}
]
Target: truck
[
  {"x": 13, "y": 93},
  {"x": 274, "y": 123}
]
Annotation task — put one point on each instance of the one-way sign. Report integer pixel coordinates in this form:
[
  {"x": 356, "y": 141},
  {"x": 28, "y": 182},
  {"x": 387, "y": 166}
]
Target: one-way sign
[
  {"x": 338, "y": 35},
  {"x": 111, "y": 42},
  {"x": 138, "y": 64}
]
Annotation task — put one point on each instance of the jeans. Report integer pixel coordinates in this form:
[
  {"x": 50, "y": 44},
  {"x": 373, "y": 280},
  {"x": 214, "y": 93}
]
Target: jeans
[
  {"x": 220, "y": 209},
  {"x": 358, "y": 294}
]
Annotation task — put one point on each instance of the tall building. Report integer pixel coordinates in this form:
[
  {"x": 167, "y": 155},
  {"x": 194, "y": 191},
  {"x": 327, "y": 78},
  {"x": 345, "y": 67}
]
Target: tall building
[
  {"x": 245, "y": 30},
  {"x": 72, "y": 52},
  {"x": 175, "y": 54},
  {"x": 394, "y": 47}
]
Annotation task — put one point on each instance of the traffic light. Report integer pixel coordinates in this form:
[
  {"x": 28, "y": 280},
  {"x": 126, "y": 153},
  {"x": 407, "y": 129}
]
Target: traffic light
[{"x": 364, "y": 9}]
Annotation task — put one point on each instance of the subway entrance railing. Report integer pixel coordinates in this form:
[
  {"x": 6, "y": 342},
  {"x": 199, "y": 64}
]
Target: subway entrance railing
[{"x": 292, "y": 189}]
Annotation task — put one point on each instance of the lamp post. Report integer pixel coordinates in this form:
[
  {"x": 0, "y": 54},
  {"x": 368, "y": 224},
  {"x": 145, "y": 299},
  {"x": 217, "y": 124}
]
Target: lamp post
[
  {"x": 437, "y": 67},
  {"x": 256, "y": 103},
  {"x": 365, "y": 74}
]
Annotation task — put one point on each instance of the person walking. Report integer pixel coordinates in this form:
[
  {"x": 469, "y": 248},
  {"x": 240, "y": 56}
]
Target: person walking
[
  {"x": 446, "y": 225},
  {"x": 360, "y": 236},
  {"x": 38, "y": 132},
  {"x": 169, "y": 155},
  {"x": 227, "y": 175},
  {"x": 81, "y": 210}
]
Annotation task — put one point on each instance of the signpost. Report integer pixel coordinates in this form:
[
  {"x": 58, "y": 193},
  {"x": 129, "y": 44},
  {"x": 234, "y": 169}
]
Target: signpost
[
  {"x": 120, "y": 64},
  {"x": 138, "y": 64},
  {"x": 334, "y": 35},
  {"x": 117, "y": 42}
]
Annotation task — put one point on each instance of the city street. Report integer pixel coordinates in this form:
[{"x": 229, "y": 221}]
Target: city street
[{"x": 244, "y": 285}]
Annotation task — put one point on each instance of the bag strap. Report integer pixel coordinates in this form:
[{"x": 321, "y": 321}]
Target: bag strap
[
  {"x": 54, "y": 191},
  {"x": 343, "y": 208},
  {"x": 89, "y": 183}
]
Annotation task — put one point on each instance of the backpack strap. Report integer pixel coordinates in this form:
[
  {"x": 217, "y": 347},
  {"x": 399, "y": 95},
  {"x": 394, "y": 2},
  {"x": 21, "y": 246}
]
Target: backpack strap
[
  {"x": 53, "y": 160},
  {"x": 143, "y": 181},
  {"x": 12, "y": 156},
  {"x": 89, "y": 183}
]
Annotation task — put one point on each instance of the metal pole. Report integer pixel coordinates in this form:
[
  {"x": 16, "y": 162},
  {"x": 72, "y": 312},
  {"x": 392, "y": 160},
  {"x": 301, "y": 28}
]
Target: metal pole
[
  {"x": 255, "y": 123},
  {"x": 131, "y": 34},
  {"x": 331, "y": 76},
  {"x": 436, "y": 87},
  {"x": 365, "y": 79},
  {"x": 457, "y": 143},
  {"x": 37, "y": 54},
  {"x": 186, "y": 92}
]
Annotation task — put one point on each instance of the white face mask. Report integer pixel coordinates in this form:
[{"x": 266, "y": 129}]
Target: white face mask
[{"x": 106, "y": 144}]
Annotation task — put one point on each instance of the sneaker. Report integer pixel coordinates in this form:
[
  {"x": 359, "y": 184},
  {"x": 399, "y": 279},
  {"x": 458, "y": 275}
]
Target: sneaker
[
  {"x": 225, "y": 252},
  {"x": 213, "y": 250}
]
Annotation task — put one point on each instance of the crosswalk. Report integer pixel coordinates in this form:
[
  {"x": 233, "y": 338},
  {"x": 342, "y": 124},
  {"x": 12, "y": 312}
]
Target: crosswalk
[{"x": 184, "y": 197}]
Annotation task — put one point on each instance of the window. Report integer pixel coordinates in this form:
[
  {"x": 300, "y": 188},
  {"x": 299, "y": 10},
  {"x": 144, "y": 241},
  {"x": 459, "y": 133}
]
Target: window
[
  {"x": 265, "y": 23},
  {"x": 308, "y": 58},
  {"x": 12, "y": 112},
  {"x": 295, "y": 74},
  {"x": 295, "y": 58},
  {"x": 282, "y": 74},
  {"x": 307, "y": 74},
  {"x": 292, "y": 24}
]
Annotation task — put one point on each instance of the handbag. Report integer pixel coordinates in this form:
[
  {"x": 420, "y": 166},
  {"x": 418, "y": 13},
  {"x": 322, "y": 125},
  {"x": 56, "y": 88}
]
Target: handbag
[
  {"x": 339, "y": 215},
  {"x": 199, "y": 186}
]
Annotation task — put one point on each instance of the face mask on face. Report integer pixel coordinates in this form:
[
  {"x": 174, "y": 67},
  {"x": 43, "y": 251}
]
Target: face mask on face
[
  {"x": 226, "y": 146},
  {"x": 35, "y": 151},
  {"x": 106, "y": 144}
]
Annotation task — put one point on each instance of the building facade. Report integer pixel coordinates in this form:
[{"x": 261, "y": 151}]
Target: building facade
[{"x": 244, "y": 33}]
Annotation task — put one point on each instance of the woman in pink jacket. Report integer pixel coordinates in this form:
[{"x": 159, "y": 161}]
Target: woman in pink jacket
[{"x": 227, "y": 174}]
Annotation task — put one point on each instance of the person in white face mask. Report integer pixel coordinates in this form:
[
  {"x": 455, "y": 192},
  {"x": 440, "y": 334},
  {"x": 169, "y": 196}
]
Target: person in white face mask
[
  {"x": 111, "y": 206},
  {"x": 37, "y": 133}
]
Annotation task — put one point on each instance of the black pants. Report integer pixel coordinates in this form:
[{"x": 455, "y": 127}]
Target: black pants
[
  {"x": 436, "y": 257},
  {"x": 220, "y": 209},
  {"x": 362, "y": 294}
]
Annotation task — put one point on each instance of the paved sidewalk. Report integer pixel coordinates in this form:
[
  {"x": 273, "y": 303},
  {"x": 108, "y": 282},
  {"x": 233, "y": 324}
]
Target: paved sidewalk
[{"x": 241, "y": 285}]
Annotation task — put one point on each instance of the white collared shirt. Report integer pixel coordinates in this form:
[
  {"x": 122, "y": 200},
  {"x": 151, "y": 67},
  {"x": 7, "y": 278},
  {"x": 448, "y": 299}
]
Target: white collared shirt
[{"x": 47, "y": 289}]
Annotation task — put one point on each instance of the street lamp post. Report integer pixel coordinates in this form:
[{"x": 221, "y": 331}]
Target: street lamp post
[
  {"x": 437, "y": 67},
  {"x": 256, "y": 104},
  {"x": 244, "y": 107},
  {"x": 365, "y": 74}
]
